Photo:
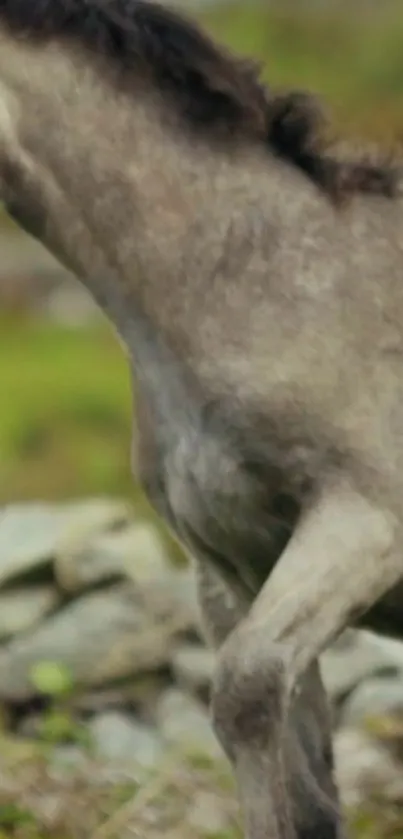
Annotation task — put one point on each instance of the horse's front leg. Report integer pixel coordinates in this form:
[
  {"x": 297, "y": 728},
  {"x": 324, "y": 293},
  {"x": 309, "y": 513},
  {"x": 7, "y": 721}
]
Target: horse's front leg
[
  {"x": 340, "y": 560},
  {"x": 308, "y": 745}
]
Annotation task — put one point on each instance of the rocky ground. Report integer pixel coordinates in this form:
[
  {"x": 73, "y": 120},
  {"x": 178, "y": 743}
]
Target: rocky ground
[{"x": 104, "y": 682}]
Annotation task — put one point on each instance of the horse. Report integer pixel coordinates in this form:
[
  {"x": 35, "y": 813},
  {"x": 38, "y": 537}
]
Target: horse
[{"x": 254, "y": 279}]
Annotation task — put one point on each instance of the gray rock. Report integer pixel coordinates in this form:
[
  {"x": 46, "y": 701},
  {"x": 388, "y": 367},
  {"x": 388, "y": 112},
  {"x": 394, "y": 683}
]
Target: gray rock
[
  {"x": 193, "y": 666},
  {"x": 141, "y": 692},
  {"x": 31, "y": 535},
  {"x": 390, "y": 649},
  {"x": 355, "y": 657},
  {"x": 120, "y": 738},
  {"x": 92, "y": 557},
  {"x": 185, "y": 725},
  {"x": 375, "y": 697},
  {"x": 137, "y": 552},
  {"x": 104, "y": 636},
  {"x": 22, "y": 608},
  {"x": 185, "y": 600}
]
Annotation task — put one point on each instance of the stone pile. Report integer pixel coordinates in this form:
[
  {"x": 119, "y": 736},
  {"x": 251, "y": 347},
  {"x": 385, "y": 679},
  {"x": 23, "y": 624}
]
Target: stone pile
[{"x": 93, "y": 588}]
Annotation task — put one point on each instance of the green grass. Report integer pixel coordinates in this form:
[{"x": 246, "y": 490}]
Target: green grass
[
  {"x": 65, "y": 413},
  {"x": 354, "y": 59}
]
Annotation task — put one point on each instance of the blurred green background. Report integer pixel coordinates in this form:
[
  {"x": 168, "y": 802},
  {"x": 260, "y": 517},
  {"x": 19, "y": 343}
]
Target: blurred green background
[{"x": 65, "y": 414}]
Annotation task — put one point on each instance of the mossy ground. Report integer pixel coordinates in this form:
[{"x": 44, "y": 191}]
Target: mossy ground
[{"x": 41, "y": 800}]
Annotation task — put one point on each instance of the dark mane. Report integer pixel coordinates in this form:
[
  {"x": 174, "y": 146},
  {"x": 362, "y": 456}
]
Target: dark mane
[
  {"x": 295, "y": 132},
  {"x": 213, "y": 90}
]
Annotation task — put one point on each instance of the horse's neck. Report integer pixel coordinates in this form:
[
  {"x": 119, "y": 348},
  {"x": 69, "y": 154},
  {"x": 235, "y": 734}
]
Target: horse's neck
[
  {"x": 83, "y": 172},
  {"x": 120, "y": 198}
]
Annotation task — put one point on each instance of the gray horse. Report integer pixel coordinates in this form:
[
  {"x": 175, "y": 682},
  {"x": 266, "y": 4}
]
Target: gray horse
[{"x": 256, "y": 283}]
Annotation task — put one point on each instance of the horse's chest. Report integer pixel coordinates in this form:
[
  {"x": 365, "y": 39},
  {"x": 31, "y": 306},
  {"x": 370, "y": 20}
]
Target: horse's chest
[{"x": 214, "y": 499}]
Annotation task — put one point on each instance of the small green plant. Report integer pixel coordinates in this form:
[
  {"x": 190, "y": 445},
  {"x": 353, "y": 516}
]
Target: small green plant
[
  {"x": 15, "y": 818},
  {"x": 52, "y": 679},
  {"x": 58, "y": 724}
]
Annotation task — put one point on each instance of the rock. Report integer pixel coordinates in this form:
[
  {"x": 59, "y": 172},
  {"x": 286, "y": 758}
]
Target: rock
[
  {"x": 186, "y": 726},
  {"x": 120, "y": 738},
  {"x": 21, "y": 608},
  {"x": 356, "y": 656},
  {"x": 185, "y": 600},
  {"x": 390, "y": 649},
  {"x": 193, "y": 666},
  {"x": 373, "y": 698},
  {"x": 137, "y": 552},
  {"x": 105, "y": 636},
  {"x": 141, "y": 693},
  {"x": 364, "y": 768},
  {"x": 31, "y": 535}
]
